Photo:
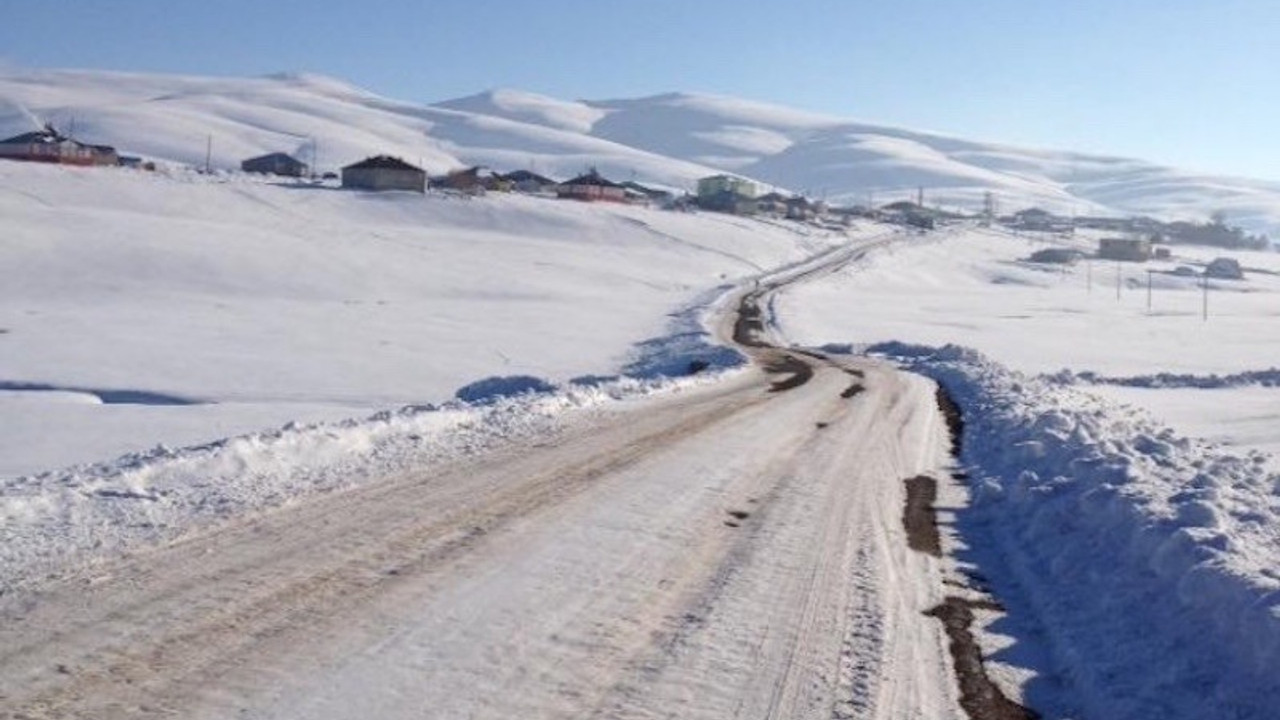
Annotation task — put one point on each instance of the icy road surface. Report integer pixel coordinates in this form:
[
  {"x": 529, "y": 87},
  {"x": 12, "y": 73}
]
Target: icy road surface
[
  {"x": 735, "y": 552},
  {"x": 730, "y": 551}
]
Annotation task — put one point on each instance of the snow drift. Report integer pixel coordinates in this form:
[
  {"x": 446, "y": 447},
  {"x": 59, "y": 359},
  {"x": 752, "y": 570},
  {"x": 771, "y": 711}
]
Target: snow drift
[{"x": 1150, "y": 558}]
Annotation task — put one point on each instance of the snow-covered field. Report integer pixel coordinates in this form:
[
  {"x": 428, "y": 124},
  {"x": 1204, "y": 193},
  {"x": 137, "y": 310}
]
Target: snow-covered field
[
  {"x": 1119, "y": 459},
  {"x": 179, "y": 309}
]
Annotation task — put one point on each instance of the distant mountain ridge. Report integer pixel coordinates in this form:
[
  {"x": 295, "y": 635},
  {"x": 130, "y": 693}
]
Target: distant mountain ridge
[{"x": 670, "y": 139}]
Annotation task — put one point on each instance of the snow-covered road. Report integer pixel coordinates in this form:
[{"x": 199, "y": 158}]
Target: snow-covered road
[{"x": 732, "y": 551}]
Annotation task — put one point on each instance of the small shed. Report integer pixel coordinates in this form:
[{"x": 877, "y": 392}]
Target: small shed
[
  {"x": 383, "y": 172},
  {"x": 276, "y": 163},
  {"x": 1130, "y": 249},
  {"x": 1055, "y": 256},
  {"x": 592, "y": 186}
]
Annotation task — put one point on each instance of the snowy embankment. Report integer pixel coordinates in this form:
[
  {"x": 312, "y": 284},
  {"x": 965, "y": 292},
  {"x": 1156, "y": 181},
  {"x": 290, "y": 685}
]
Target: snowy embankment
[
  {"x": 1149, "y": 557},
  {"x": 1134, "y": 541},
  {"x": 63, "y": 520}
]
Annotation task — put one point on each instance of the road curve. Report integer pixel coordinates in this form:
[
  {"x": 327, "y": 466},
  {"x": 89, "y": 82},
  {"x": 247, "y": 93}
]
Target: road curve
[{"x": 729, "y": 552}]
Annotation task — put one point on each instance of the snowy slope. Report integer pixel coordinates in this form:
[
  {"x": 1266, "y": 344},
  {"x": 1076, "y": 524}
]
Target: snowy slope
[
  {"x": 858, "y": 162},
  {"x": 220, "y": 306},
  {"x": 175, "y": 117},
  {"x": 671, "y": 140}
]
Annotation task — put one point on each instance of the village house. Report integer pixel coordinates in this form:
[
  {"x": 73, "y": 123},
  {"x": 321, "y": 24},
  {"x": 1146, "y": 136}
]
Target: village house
[
  {"x": 527, "y": 181},
  {"x": 643, "y": 194},
  {"x": 474, "y": 180},
  {"x": 48, "y": 145},
  {"x": 717, "y": 185},
  {"x": 383, "y": 172},
  {"x": 592, "y": 187},
  {"x": 1034, "y": 219},
  {"x": 276, "y": 163},
  {"x": 773, "y": 203},
  {"x": 804, "y": 209},
  {"x": 728, "y": 194}
]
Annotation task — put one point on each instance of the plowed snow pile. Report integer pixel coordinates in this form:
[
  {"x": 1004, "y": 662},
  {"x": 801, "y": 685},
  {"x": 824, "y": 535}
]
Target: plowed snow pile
[{"x": 1138, "y": 561}]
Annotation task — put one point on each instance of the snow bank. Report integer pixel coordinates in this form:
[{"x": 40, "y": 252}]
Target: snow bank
[
  {"x": 59, "y": 521},
  {"x": 1261, "y": 378},
  {"x": 1152, "y": 559}
]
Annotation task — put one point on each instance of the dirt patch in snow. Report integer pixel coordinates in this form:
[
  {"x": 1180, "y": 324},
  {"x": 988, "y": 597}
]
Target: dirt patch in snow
[
  {"x": 918, "y": 516},
  {"x": 955, "y": 420},
  {"x": 981, "y": 698},
  {"x": 800, "y": 372}
]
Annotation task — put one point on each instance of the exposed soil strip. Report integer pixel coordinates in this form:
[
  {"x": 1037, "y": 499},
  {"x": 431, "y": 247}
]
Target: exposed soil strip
[
  {"x": 852, "y": 391},
  {"x": 979, "y": 697},
  {"x": 801, "y": 372},
  {"x": 919, "y": 518},
  {"x": 955, "y": 420}
]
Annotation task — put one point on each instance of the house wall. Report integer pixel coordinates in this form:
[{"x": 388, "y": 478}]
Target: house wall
[
  {"x": 66, "y": 153},
  {"x": 594, "y": 192},
  {"x": 384, "y": 179},
  {"x": 717, "y": 184},
  {"x": 276, "y": 166}
]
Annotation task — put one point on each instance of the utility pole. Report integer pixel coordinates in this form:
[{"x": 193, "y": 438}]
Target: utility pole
[
  {"x": 1204, "y": 306},
  {"x": 1149, "y": 292},
  {"x": 208, "y": 154}
]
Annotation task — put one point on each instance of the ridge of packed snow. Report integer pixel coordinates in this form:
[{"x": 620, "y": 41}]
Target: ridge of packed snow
[
  {"x": 1149, "y": 557},
  {"x": 56, "y": 522},
  {"x": 1260, "y": 378}
]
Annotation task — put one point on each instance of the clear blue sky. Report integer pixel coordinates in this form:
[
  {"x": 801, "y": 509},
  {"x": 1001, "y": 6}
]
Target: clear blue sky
[{"x": 1190, "y": 83}]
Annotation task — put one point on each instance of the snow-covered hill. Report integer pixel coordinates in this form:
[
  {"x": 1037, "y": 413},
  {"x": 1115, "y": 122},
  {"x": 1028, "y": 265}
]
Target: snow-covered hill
[{"x": 670, "y": 140}]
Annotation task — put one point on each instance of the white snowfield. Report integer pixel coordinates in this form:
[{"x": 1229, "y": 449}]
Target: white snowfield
[{"x": 669, "y": 140}]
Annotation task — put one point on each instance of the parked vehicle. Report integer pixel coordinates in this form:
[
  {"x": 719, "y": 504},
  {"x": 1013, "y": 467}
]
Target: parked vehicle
[{"x": 1224, "y": 268}]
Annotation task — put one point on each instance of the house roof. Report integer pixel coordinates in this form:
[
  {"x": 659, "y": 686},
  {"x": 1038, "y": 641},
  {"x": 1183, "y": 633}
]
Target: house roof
[
  {"x": 382, "y": 162},
  {"x": 644, "y": 189},
  {"x": 276, "y": 156},
  {"x": 35, "y": 136},
  {"x": 528, "y": 176},
  {"x": 592, "y": 178}
]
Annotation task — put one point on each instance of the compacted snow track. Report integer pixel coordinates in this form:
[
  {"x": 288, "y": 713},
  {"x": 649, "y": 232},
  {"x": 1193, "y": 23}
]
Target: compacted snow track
[{"x": 734, "y": 551}]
